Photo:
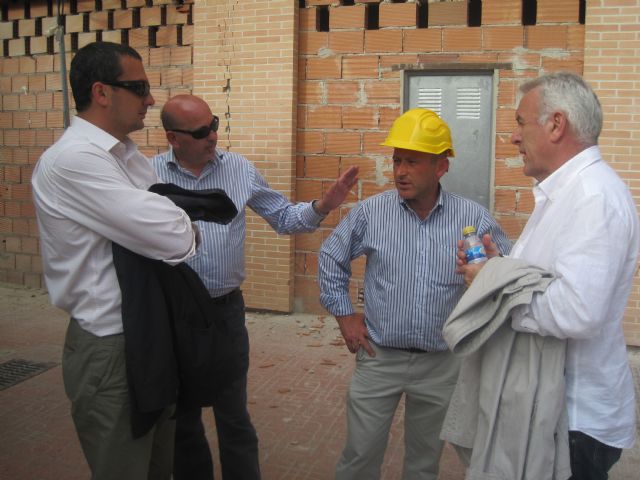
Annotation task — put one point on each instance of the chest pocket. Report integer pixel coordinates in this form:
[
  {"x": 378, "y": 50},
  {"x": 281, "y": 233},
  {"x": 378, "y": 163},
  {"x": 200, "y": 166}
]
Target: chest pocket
[{"x": 441, "y": 263}]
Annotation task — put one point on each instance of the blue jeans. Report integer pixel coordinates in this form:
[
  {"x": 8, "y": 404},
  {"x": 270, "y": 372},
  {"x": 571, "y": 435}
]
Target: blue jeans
[{"x": 590, "y": 459}]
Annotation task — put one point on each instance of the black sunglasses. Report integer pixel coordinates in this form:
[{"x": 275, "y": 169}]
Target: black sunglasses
[
  {"x": 201, "y": 132},
  {"x": 141, "y": 88}
]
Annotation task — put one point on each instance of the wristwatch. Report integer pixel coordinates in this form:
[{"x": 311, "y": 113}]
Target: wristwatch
[{"x": 313, "y": 205}]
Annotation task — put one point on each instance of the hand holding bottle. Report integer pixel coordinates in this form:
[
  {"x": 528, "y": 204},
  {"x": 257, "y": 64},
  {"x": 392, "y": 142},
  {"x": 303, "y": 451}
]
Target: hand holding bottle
[{"x": 470, "y": 270}]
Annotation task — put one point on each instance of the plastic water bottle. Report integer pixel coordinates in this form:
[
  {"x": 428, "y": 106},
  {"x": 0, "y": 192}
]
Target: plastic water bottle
[{"x": 473, "y": 246}]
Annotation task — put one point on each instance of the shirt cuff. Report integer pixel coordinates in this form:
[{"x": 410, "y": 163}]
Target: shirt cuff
[
  {"x": 337, "y": 306},
  {"x": 310, "y": 216},
  {"x": 522, "y": 320}
]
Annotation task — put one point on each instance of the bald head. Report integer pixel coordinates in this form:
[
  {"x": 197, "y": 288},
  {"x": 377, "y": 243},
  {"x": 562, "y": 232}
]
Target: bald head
[
  {"x": 178, "y": 110},
  {"x": 191, "y": 130}
]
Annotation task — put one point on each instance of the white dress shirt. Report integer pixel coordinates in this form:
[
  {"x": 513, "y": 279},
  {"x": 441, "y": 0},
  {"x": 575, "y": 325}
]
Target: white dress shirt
[
  {"x": 584, "y": 229},
  {"x": 89, "y": 190}
]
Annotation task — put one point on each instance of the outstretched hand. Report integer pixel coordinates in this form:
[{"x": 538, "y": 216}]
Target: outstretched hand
[{"x": 338, "y": 191}]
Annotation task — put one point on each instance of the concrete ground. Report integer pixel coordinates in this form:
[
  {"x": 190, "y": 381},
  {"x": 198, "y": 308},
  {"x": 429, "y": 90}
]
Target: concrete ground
[{"x": 299, "y": 374}]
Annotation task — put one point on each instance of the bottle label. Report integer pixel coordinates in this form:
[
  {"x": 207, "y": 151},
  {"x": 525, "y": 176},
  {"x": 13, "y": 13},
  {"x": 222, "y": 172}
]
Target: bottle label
[{"x": 476, "y": 254}]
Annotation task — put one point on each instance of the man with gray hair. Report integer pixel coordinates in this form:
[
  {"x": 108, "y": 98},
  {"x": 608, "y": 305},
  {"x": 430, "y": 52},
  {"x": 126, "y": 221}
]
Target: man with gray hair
[{"x": 584, "y": 229}]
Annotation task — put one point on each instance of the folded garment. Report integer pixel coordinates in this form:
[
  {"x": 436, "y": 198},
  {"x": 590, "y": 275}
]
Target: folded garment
[{"x": 210, "y": 205}]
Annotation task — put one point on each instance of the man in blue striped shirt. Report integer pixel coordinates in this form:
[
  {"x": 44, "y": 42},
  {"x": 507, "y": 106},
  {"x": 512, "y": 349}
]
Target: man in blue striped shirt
[
  {"x": 193, "y": 162},
  {"x": 409, "y": 236}
]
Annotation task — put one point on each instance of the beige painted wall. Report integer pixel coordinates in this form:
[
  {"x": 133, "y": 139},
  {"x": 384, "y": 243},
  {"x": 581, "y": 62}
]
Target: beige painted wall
[{"x": 245, "y": 66}]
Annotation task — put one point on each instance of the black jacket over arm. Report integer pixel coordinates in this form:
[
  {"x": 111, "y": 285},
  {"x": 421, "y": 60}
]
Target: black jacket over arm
[{"x": 176, "y": 347}]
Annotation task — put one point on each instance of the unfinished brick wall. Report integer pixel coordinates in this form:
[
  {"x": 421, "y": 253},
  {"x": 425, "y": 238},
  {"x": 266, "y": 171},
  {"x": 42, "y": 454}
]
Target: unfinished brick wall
[
  {"x": 305, "y": 89},
  {"x": 612, "y": 50},
  {"x": 349, "y": 92},
  {"x": 31, "y": 118}
]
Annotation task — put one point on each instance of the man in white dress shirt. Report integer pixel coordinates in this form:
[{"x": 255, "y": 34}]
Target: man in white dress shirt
[
  {"x": 584, "y": 229},
  {"x": 90, "y": 189}
]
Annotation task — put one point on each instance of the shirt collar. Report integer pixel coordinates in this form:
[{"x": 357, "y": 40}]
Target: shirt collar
[
  {"x": 171, "y": 160},
  {"x": 104, "y": 140},
  {"x": 555, "y": 183},
  {"x": 439, "y": 202}
]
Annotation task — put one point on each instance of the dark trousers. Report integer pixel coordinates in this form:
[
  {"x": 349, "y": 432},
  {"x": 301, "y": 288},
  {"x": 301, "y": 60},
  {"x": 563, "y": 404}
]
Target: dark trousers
[
  {"x": 237, "y": 439},
  {"x": 590, "y": 459}
]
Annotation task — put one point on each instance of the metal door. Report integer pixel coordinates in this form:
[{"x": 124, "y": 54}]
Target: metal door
[{"x": 465, "y": 101}]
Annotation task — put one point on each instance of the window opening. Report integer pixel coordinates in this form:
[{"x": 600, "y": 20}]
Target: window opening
[
  {"x": 322, "y": 19},
  {"x": 422, "y": 15},
  {"x": 372, "y": 16},
  {"x": 74, "y": 42},
  {"x": 529, "y": 12},
  {"x": 153, "y": 31},
  {"x": 474, "y": 13}
]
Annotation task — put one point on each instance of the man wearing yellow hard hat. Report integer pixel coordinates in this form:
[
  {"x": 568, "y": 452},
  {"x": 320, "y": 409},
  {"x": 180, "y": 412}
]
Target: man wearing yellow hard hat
[{"x": 409, "y": 235}]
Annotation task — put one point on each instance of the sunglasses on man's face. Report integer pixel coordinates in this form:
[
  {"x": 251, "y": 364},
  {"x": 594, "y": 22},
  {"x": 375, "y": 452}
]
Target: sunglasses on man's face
[
  {"x": 201, "y": 132},
  {"x": 140, "y": 88}
]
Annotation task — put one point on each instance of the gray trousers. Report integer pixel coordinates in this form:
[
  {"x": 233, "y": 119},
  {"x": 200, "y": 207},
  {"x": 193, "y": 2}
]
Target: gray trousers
[
  {"x": 93, "y": 370},
  {"x": 378, "y": 383}
]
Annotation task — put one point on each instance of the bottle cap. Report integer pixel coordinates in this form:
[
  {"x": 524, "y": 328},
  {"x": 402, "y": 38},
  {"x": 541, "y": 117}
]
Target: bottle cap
[{"x": 468, "y": 230}]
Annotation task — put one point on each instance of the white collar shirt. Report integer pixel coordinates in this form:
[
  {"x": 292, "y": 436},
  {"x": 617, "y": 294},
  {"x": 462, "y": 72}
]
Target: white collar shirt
[
  {"x": 584, "y": 229},
  {"x": 91, "y": 190}
]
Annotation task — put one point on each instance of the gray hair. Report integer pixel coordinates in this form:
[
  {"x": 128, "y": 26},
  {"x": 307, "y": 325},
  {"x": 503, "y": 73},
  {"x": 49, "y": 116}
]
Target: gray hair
[{"x": 569, "y": 93}]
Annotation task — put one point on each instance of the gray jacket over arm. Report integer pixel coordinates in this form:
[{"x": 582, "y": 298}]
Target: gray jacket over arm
[{"x": 507, "y": 417}]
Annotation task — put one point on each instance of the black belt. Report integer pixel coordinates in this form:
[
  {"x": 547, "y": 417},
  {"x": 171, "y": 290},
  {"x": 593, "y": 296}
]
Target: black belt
[
  {"x": 227, "y": 298},
  {"x": 410, "y": 350}
]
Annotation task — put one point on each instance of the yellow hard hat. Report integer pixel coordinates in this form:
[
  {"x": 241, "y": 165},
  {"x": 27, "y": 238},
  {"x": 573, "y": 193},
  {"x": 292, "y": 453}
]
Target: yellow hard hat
[{"x": 421, "y": 130}]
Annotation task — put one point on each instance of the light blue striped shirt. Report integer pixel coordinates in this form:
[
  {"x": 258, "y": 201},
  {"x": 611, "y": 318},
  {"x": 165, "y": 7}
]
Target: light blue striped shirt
[
  {"x": 410, "y": 284},
  {"x": 220, "y": 258}
]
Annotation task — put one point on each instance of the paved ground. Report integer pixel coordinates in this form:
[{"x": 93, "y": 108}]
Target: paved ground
[{"x": 298, "y": 378}]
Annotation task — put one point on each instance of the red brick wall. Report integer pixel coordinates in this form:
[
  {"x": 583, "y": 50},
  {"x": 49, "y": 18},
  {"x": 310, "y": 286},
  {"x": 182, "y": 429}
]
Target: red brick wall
[
  {"x": 305, "y": 104},
  {"x": 350, "y": 93},
  {"x": 31, "y": 118}
]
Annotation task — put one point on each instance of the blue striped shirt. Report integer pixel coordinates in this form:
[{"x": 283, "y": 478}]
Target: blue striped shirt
[
  {"x": 410, "y": 284},
  {"x": 219, "y": 260}
]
